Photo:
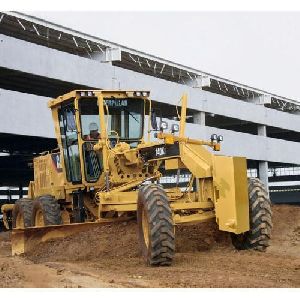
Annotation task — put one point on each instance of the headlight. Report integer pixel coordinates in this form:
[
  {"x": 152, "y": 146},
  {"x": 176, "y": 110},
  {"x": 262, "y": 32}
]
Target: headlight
[
  {"x": 220, "y": 138},
  {"x": 175, "y": 128},
  {"x": 86, "y": 94},
  {"x": 214, "y": 137},
  {"x": 139, "y": 94},
  {"x": 163, "y": 125}
]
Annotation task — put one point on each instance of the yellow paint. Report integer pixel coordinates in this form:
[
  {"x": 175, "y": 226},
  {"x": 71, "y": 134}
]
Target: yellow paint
[
  {"x": 194, "y": 218},
  {"x": 231, "y": 202},
  {"x": 221, "y": 183},
  {"x": 173, "y": 164}
]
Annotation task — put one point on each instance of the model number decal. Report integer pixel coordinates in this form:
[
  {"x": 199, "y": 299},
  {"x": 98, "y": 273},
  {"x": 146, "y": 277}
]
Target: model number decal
[{"x": 160, "y": 151}]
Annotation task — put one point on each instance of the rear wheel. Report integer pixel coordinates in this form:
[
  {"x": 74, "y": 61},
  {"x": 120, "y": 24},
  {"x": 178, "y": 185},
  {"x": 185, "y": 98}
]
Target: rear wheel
[
  {"x": 260, "y": 214},
  {"x": 46, "y": 211},
  {"x": 155, "y": 226},
  {"x": 21, "y": 214}
]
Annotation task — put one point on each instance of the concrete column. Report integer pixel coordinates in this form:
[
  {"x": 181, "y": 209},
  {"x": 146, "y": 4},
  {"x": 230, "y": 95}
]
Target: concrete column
[
  {"x": 263, "y": 165},
  {"x": 262, "y": 130},
  {"x": 263, "y": 173},
  {"x": 199, "y": 118}
]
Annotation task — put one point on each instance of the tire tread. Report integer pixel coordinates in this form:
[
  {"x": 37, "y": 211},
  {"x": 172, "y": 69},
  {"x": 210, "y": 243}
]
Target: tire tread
[
  {"x": 155, "y": 201},
  {"x": 260, "y": 212}
]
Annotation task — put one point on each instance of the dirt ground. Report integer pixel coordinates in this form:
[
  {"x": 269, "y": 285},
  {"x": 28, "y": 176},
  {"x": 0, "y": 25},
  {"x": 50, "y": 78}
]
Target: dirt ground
[{"x": 109, "y": 257}]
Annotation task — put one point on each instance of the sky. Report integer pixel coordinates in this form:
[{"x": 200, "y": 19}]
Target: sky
[{"x": 260, "y": 49}]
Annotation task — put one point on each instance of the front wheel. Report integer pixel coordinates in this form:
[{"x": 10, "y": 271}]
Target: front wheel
[
  {"x": 155, "y": 226},
  {"x": 260, "y": 216}
]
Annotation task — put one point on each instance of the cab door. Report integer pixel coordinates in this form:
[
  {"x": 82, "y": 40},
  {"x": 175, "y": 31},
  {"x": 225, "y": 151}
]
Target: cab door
[
  {"x": 90, "y": 135},
  {"x": 69, "y": 138}
]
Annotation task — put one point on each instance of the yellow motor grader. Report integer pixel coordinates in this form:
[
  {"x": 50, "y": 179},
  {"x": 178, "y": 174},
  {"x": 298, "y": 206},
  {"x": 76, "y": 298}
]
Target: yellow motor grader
[{"x": 112, "y": 151}]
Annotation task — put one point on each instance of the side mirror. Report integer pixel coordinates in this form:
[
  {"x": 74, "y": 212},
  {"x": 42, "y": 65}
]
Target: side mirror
[{"x": 153, "y": 120}]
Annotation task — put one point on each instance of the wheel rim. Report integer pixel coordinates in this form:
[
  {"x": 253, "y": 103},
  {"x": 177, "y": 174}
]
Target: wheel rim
[
  {"x": 145, "y": 226},
  {"x": 65, "y": 217},
  {"x": 39, "y": 218},
  {"x": 20, "y": 221}
]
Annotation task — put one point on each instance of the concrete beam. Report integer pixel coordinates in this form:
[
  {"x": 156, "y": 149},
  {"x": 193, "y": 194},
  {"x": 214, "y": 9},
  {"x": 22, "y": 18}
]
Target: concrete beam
[
  {"x": 20, "y": 55},
  {"x": 25, "y": 114},
  {"x": 261, "y": 100},
  {"x": 199, "y": 118},
  {"x": 252, "y": 147}
]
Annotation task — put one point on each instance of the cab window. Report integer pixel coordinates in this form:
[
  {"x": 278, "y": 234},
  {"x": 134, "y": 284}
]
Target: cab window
[
  {"x": 69, "y": 138},
  {"x": 89, "y": 118},
  {"x": 90, "y": 133},
  {"x": 125, "y": 117}
]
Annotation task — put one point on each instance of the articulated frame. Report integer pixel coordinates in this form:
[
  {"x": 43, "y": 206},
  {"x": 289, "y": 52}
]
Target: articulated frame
[{"x": 217, "y": 189}]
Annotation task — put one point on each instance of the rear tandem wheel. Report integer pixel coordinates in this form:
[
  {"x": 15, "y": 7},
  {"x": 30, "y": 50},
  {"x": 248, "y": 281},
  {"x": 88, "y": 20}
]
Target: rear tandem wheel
[{"x": 46, "y": 211}]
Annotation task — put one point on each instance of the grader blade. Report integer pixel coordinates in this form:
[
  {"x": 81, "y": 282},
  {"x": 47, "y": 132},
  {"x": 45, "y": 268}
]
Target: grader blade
[{"x": 25, "y": 240}]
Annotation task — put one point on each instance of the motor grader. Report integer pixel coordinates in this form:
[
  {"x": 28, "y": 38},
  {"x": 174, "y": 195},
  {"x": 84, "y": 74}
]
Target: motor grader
[{"x": 113, "y": 149}]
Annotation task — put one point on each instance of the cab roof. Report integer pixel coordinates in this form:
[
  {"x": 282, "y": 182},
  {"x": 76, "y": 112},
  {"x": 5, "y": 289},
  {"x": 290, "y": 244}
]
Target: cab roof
[{"x": 96, "y": 93}]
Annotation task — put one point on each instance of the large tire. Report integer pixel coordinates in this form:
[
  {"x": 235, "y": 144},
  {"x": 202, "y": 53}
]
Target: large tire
[
  {"x": 46, "y": 211},
  {"x": 21, "y": 214},
  {"x": 155, "y": 226},
  {"x": 257, "y": 238}
]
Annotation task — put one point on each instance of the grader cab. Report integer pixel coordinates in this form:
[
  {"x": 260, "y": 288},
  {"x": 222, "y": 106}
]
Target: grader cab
[{"x": 112, "y": 152}]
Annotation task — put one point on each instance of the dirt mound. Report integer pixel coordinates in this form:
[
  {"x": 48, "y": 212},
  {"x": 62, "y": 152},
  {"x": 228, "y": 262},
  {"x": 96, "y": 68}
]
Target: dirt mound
[
  {"x": 120, "y": 239},
  {"x": 286, "y": 230},
  {"x": 106, "y": 240},
  {"x": 108, "y": 256},
  {"x": 200, "y": 237}
]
